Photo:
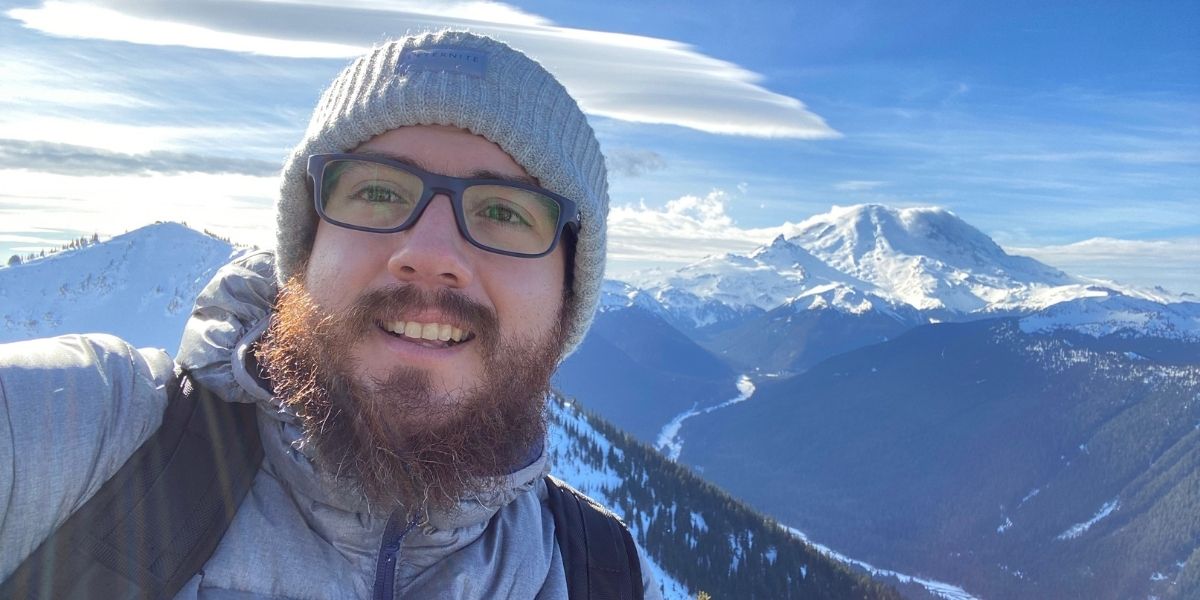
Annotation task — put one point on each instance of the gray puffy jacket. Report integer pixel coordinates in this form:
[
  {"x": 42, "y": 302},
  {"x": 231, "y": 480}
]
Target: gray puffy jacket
[{"x": 74, "y": 408}]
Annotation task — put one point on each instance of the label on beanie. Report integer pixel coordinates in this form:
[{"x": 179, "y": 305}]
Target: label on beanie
[{"x": 451, "y": 60}]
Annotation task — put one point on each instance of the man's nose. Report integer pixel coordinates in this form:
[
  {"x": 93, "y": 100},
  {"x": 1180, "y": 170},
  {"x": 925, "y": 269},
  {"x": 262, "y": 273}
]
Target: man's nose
[{"x": 432, "y": 252}]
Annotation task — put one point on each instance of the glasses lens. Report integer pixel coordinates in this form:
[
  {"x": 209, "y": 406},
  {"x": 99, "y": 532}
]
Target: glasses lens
[
  {"x": 367, "y": 194},
  {"x": 510, "y": 218}
]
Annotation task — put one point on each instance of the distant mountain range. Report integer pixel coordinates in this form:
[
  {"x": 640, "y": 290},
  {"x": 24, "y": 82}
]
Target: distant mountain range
[{"x": 924, "y": 401}]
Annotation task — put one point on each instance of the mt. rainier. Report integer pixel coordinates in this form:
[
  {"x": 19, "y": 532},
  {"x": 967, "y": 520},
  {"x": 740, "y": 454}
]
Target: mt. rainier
[{"x": 925, "y": 259}]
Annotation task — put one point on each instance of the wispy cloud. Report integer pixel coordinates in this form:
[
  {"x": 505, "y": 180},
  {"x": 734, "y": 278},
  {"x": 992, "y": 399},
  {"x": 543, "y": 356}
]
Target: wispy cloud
[
  {"x": 1172, "y": 263},
  {"x": 135, "y": 139},
  {"x": 633, "y": 163},
  {"x": 857, "y": 185},
  {"x": 684, "y": 231},
  {"x": 68, "y": 159},
  {"x": 626, "y": 77}
]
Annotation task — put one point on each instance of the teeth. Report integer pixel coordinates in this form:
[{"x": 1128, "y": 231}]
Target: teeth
[
  {"x": 426, "y": 331},
  {"x": 429, "y": 331}
]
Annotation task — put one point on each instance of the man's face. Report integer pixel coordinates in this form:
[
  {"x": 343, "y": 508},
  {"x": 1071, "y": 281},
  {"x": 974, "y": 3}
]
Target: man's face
[
  {"x": 419, "y": 422},
  {"x": 524, "y": 294}
]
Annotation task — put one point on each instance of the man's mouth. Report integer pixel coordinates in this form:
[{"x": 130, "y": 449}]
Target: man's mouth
[{"x": 430, "y": 335}]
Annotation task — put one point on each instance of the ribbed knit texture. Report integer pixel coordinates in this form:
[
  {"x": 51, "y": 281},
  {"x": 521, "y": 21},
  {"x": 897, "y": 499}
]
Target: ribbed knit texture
[{"x": 516, "y": 104}]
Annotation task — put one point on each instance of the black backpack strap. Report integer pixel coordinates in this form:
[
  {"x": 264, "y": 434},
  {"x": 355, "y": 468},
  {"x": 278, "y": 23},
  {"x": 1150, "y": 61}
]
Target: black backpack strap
[
  {"x": 154, "y": 524},
  {"x": 598, "y": 552}
]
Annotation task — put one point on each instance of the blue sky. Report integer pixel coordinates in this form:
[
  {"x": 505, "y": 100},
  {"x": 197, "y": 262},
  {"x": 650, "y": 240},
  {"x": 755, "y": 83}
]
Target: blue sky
[{"x": 1067, "y": 131}]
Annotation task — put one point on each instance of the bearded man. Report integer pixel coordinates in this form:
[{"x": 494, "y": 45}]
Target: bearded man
[{"x": 441, "y": 239}]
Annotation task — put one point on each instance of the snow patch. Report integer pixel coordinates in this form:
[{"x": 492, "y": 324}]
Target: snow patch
[
  {"x": 1005, "y": 526},
  {"x": 1079, "y": 529},
  {"x": 937, "y": 588}
]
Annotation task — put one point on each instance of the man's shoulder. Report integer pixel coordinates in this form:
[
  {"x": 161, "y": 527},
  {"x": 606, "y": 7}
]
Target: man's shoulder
[
  {"x": 75, "y": 354},
  {"x": 72, "y": 410},
  {"x": 92, "y": 372}
]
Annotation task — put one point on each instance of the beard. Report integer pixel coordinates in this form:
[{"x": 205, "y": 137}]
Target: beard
[{"x": 395, "y": 438}]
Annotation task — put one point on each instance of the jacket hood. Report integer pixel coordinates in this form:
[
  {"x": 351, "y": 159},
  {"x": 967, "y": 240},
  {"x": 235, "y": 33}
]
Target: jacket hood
[{"x": 229, "y": 316}]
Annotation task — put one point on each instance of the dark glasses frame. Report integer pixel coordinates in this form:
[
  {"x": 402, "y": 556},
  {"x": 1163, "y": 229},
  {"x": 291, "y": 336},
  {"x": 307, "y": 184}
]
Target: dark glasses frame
[{"x": 434, "y": 184}]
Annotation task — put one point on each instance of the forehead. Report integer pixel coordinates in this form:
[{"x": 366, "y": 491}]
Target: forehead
[{"x": 446, "y": 150}]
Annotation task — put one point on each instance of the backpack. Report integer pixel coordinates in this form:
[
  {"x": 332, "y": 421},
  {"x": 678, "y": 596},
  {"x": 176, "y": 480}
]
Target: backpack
[{"x": 154, "y": 524}]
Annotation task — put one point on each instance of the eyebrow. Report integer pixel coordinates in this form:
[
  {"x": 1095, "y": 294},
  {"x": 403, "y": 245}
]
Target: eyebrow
[{"x": 477, "y": 174}]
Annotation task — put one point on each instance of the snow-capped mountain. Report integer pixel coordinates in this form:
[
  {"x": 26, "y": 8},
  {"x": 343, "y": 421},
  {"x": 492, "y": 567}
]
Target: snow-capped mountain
[
  {"x": 617, "y": 295},
  {"x": 935, "y": 262},
  {"x": 866, "y": 258},
  {"x": 731, "y": 286},
  {"x": 141, "y": 284}
]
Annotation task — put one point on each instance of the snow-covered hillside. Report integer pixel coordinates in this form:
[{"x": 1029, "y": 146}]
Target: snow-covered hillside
[
  {"x": 571, "y": 438},
  {"x": 1119, "y": 314},
  {"x": 139, "y": 285}
]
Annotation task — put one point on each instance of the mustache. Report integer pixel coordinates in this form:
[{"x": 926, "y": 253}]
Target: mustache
[{"x": 392, "y": 302}]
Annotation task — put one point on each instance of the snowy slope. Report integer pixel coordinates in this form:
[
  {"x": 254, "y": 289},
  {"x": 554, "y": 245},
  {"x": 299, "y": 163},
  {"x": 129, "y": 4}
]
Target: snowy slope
[
  {"x": 768, "y": 277},
  {"x": 1119, "y": 314},
  {"x": 140, "y": 285},
  {"x": 571, "y": 437},
  {"x": 616, "y": 295}
]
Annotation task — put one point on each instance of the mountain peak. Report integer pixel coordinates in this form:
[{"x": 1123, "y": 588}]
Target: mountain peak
[
  {"x": 855, "y": 232},
  {"x": 925, "y": 256},
  {"x": 142, "y": 282}
]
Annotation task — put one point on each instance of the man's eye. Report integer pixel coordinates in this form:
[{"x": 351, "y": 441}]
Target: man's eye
[
  {"x": 504, "y": 214},
  {"x": 378, "y": 195}
]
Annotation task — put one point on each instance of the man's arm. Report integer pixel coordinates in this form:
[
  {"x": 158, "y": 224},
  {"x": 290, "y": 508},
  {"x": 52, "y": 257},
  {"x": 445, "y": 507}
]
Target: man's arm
[{"x": 72, "y": 411}]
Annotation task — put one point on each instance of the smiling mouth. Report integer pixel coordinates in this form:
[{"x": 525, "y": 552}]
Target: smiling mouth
[{"x": 429, "y": 335}]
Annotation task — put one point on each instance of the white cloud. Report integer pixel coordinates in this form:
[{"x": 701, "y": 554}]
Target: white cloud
[
  {"x": 129, "y": 139},
  {"x": 626, "y": 77},
  {"x": 85, "y": 20},
  {"x": 686, "y": 230},
  {"x": 1173, "y": 264},
  {"x": 240, "y": 207},
  {"x": 29, "y": 81},
  {"x": 857, "y": 185}
]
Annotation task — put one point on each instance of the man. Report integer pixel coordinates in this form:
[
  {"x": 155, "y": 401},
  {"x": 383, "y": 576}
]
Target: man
[{"x": 441, "y": 236}]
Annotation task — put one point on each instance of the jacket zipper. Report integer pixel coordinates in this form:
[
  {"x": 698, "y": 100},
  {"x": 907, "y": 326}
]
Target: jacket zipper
[{"x": 389, "y": 553}]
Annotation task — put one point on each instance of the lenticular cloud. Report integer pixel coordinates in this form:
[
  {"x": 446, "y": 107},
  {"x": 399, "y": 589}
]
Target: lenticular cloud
[{"x": 626, "y": 77}]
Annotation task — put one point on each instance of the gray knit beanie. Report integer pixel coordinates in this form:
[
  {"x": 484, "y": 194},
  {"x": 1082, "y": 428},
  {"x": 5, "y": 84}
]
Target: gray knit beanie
[{"x": 474, "y": 83}]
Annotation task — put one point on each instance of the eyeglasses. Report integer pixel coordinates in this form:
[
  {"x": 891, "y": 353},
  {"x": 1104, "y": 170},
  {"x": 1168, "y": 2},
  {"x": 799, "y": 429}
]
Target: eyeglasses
[{"x": 379, "y": 195}]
